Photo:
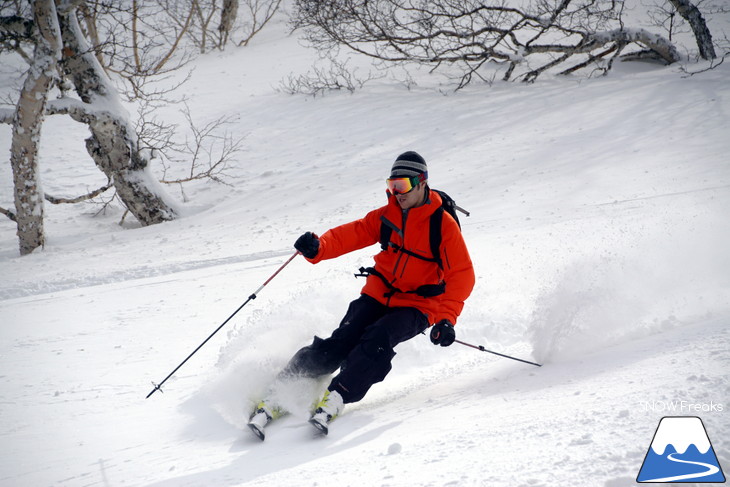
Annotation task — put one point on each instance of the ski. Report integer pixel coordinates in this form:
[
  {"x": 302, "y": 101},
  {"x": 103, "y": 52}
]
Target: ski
[
  {"x": 319, "y": 424},
  {"x": 257, "y": 426},
  {"x": 258, "y": 431},
  {"x": 320, "y": 418},
  {"x": 259, "y": 419}
]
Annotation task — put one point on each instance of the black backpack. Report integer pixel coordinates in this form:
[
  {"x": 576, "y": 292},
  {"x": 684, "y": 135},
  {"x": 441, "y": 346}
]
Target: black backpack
[{"x": 448, "y": 205}]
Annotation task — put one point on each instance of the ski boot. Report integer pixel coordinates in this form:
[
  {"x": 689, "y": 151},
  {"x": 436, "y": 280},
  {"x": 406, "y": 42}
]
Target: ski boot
[
  {"x": 262, "y": 416},
  {"x": 327, "y": 410}
]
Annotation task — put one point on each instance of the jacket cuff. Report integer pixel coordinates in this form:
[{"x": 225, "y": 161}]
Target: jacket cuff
[
  {"x": 320, "y": 253},
  {"x": 450, "y": 318}
]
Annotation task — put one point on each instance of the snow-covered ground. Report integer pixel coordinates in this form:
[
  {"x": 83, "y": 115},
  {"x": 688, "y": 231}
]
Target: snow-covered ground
[{"x": 599, "y": 231}]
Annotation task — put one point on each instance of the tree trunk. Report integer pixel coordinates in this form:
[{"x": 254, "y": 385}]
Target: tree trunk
[
  {"x": 113, "y": 143},
  {"x": 229, "y": 12},
  {"x": 27, "y": 122},
  {"x": 693, "y": 16}
]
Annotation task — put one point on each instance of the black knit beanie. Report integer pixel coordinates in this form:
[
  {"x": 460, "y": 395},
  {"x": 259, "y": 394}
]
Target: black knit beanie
[{"x": 409, "y": 164}]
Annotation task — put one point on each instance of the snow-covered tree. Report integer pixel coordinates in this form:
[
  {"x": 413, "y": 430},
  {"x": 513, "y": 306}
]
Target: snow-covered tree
[
  {"x": 694, "y": 17},
  {"x": 59, "y": 45},
  {"x": 95, "y": 55},
  {"x": 113, "y": 143},
  {"x": 27, "y": 121},
  {"x": 514, "y": 40}
]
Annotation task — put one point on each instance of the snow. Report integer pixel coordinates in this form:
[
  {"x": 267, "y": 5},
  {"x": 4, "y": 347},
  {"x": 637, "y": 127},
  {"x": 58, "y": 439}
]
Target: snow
[{"x": 599, "y": 235}]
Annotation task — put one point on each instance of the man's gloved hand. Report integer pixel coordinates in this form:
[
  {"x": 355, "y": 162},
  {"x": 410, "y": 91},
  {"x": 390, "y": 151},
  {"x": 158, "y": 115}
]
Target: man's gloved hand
[
  {"x": 442, "y": 333},
  {"x": 308, "y": 245}
]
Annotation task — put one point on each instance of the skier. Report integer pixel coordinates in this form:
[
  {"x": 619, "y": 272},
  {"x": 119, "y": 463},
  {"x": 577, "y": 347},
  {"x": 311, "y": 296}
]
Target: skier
[{"x": 407, "y": 290}]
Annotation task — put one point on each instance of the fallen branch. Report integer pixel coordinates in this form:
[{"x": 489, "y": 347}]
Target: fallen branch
[
  {"x": 713, "y": 65},
  {"x": 78, "y": 199}
]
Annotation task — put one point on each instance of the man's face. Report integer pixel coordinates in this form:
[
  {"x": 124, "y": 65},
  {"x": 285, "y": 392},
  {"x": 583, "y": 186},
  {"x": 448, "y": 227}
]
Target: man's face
[{"x": 413, "y": 198}]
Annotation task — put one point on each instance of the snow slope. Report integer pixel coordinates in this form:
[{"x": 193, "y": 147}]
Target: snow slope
[{"x": 599, "y": 234}]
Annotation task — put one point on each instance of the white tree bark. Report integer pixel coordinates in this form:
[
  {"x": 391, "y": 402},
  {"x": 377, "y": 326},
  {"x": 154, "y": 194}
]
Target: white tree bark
[
  {"x": 693, "y": 16},
  {"x": 113, "y": 143},
  {"x": 229, "y": 12},
  {"x": 27, "y": 122}
]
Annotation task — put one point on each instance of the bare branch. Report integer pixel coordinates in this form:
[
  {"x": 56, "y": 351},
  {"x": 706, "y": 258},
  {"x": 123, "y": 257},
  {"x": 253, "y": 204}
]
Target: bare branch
[
  {"x": 8, "y": 214},
  {"x": 207, "y": 153},
  {"x": 143, "y": 43},
  {"x": 260, "y": 15},
  {"x": 173, "y": 47},
  {"x": 211, "y": 141},
  {"x": 321, "y": 80},
  {"x": 473, "y": 36},
  {"x": 713, "y": 64},
  {"x": 78, "y": 199}
]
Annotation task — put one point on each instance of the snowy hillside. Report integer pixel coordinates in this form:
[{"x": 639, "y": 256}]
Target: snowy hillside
[{"x": 599, "y": 231}]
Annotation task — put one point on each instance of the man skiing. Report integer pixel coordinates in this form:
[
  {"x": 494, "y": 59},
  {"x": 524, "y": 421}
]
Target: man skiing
[{"x": 407, "y": 290}]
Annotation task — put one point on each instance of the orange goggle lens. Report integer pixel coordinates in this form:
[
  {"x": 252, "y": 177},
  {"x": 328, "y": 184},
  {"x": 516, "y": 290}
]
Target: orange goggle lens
[{"x": 404, "y": 185}]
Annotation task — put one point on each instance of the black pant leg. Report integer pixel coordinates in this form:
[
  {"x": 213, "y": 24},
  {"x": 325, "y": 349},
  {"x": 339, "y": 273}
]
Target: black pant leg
[
  {"x": 324, "y": 356},
  {"x": 370, "y": 361}
]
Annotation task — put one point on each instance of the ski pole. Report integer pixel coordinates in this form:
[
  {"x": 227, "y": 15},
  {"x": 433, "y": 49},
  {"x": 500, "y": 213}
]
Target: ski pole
[
  {"x": 252, "y": 297},
  {"x": 479, "y": 347}
]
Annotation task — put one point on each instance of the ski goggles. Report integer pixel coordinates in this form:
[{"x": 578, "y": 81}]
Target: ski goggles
[{"x": 404, "y": 185}]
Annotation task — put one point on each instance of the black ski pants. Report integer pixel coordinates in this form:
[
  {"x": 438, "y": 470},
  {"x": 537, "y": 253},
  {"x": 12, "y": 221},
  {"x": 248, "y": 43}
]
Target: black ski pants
[{"x": 361, "y": 347}]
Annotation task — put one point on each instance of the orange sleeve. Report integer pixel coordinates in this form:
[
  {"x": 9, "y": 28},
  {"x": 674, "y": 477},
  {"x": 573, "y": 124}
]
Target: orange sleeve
[
  {"x": 458, "y": 271},
  {"x": 349, "y": 237}
]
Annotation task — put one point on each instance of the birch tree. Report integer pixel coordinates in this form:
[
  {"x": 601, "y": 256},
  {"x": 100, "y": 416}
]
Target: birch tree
[
  {"x": 95, "y": 55},
  {"x": 60, "y": 46},
  {"x": 113, "y": 143},
  {"x": 27, "y": 122},
  {"x": 693, "y": 16}
]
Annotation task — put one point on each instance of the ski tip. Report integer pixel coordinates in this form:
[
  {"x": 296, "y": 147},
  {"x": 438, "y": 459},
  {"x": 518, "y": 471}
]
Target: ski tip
[
  {"x": 321, "y": 427},
  {"x": 258, "y": 431}
]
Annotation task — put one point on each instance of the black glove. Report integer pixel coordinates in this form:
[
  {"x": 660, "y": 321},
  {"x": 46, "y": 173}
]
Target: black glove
[
  {"x": 308, "y": 245},
  {"x": 442, "y": 333}
]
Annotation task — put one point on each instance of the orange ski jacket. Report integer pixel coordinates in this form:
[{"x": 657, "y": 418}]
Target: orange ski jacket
[{"x": 403, "y": 270}]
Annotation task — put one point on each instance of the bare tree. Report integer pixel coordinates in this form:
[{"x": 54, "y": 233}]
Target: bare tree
[
  {"x": 694, "y": 17},
  {"x": 258, "y": 14},
  {"x": 245, "y": 17},
  {"x": 337, "y": 76},
  {"x": 27, "y": 122},
  {"x": 202, "y": 32},
  {"x": 56, "y": 35},
  {"x": 561, "y": 36},
  {"x": 113, "y": 144},
  {"x": 139, "y": 43},
  {"x": 229, "y": 12},
  {"x": 133, "y": 44},
  {"x": 207, "y": 152}
]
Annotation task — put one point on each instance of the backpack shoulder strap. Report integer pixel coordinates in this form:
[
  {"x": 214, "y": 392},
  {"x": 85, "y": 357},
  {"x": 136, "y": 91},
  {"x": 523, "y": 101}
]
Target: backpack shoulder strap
[
  {"x": 386, "y": 229},
  {"x": 434, "y": 235}
]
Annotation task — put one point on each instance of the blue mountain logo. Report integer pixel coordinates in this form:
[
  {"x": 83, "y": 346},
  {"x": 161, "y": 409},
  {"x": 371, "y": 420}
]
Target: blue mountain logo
[{"x": 681, "y": 452}]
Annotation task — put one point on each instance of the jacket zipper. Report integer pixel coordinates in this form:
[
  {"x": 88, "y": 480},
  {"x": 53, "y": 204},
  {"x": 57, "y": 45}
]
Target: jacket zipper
[{"x": 404, "y": 215}]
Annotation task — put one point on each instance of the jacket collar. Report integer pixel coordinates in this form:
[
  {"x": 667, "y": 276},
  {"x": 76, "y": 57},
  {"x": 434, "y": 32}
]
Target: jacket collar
[{"x": 433, "y": 202}]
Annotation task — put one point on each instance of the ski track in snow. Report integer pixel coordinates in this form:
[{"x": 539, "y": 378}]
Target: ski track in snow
[{"x": 131, "y": 274}]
